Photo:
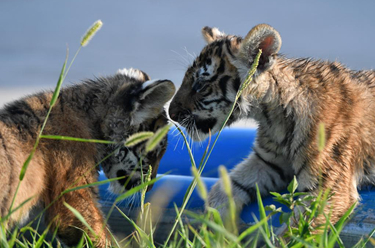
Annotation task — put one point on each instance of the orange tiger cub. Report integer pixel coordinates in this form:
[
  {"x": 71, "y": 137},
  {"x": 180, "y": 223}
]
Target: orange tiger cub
[
  {"x": 108, "y": 108},
  {"x": 288, "y": 98}
]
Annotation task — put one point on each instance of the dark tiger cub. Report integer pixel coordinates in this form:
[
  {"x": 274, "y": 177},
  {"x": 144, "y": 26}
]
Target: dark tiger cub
[
  {"x": 110, "y": 108},
  {"x": 288, "y": 98}
]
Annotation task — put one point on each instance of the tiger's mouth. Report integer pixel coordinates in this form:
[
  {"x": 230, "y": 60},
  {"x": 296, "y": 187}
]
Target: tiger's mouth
[
  {"x": 205, "y": 125},
  {"x": 127, "y": 182},
  {"x": 200, "y": 128}
]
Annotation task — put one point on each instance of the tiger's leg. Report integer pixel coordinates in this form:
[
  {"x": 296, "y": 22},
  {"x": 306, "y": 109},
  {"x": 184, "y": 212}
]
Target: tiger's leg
[
  {"x": 336, "y": 177},
  {"x": 257, "y": 169},
  {"x": 69, "y": 228}
]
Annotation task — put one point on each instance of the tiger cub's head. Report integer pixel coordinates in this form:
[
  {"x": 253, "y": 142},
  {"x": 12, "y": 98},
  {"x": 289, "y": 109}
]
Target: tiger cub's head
[
  {"x": 210, "y": 85},
  {"x": 137, "y": 105}
]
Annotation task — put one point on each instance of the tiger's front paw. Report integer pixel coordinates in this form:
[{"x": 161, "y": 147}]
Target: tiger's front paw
[{"x": 218, "y": 199}]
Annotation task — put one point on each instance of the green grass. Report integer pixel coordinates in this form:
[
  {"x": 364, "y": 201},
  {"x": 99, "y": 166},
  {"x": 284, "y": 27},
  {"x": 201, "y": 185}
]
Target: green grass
[{"x": 208, "y": 229}]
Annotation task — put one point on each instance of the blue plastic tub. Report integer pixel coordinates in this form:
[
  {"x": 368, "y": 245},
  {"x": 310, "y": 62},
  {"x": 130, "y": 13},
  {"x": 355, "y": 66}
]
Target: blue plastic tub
[{"x": 232, "y": 147}]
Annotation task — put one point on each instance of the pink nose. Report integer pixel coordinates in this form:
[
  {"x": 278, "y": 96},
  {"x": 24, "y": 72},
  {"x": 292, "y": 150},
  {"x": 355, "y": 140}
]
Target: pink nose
[{"x": 173, "y": 113}]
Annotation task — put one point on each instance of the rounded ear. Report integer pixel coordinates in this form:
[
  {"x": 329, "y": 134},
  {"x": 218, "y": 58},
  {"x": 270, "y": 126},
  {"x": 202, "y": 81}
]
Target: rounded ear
[
  {"x": 263, "y": 37},
  {"x": 211, "y": 34},
  {"x": 151, "y": 100}
]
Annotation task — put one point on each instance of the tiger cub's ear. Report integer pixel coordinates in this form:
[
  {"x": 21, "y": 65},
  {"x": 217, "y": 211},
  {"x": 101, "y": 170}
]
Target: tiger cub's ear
[
  {"x": 211, "y": 34},
  {"x": 262, "y": 37},
  {"x": 151, "y": 100}
]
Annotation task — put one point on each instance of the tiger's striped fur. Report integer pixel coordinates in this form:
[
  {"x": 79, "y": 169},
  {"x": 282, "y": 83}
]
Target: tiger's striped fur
[
  {"x": 288, "y": 98},
  {"x": 108, "y": 108}
]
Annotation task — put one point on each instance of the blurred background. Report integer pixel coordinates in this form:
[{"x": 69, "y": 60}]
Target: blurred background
[{"x": 162, "y": 37}]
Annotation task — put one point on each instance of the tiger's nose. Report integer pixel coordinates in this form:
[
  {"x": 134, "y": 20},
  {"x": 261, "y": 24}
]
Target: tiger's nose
[
  {"x": 174, "y": 112},
  {"x": 178, "y": 115},
  {"x": 173, "y": 115}
]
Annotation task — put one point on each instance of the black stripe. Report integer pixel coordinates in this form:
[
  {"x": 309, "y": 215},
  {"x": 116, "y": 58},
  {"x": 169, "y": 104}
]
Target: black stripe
[
  {"x": 11, "y": 176},
  {"x": 264, "y": 107},
  {"x": 273, "y": 181},
  {"x": 338, "y": 150},
  {"x": 236, "y": 84},
  {"x": 62, "y": 101},
  {"x": 215, "y": 100},
  {"x": 43, "y": 101},
  {"x": 290, "y": 126},
  {"x": 303, "y": 143},
  {"x": 219, "y": 50},
  {"x": 209, "y": 31},
  {"x": 334, "y": 69},
  {"x": 32, "y": 113},
  {"x": 228, "y": 45},
  {"x": 22, "y": 116},
  {"x": 303, "y": 166},
  {"x": 208, "y": 92},
  {"x": 325, "y": 175},
  {"x": 197, "y": 107},
  {"x": 201, "y": 106},
  {"x": 146, "y": 77},
  {"x": 251, "y": 192},
  {"x": 274, "y": 167},
  {"x": 2, "y": 141},
  {"x": 221, "y": 67},
  {"x": 213, "y": 78},
  {"x": 223, "y": 84}
]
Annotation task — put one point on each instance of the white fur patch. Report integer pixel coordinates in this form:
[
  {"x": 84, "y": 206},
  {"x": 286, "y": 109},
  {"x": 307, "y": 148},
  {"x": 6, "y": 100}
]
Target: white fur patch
[
  {"x": 132, "y": 73},
  {"x": 147, "y": 83}
]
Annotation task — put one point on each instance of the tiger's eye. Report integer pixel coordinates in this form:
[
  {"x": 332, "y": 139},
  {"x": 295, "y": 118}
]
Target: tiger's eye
[{"x": 208, "y": 62}]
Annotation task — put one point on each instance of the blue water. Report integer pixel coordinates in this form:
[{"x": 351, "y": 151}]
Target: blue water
[{"x": 153, "y": 35}]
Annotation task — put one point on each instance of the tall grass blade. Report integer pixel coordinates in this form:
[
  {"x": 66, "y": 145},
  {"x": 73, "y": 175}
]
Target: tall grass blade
[
  {"x": 264, "y": 234},
  {"x": 56, "y": 93},
  {"x": 250, "y": 230},
  {"x": 67, "y": 138},
  {"x": 321, "y": 137},
  {"x": 227, "y": 185},
  {"x": 137, "y": 138},
  {"x": 364, "y": 242},
  {"x": 157, "y": 138},
  {"x": 90, "y": 33},
  {"x": 42, "y": 238},
  {"x": 215, "y": 227},
  {"x": 143, "y": 235},
  {"x": 88, "y": 240},
  {"x": 198, "y": 236},
  {"x": 202, "y": 190},
  {"x": 199, "y": 172},
  {"x": 81, "y": 242},
  {"x": 334, "y": 236},
  {"x": 136, "y": 189},
  {"x": 262, "y": 212},
  {"x": 11, "y": 211},
  {"x": 95, "y": 184}
]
